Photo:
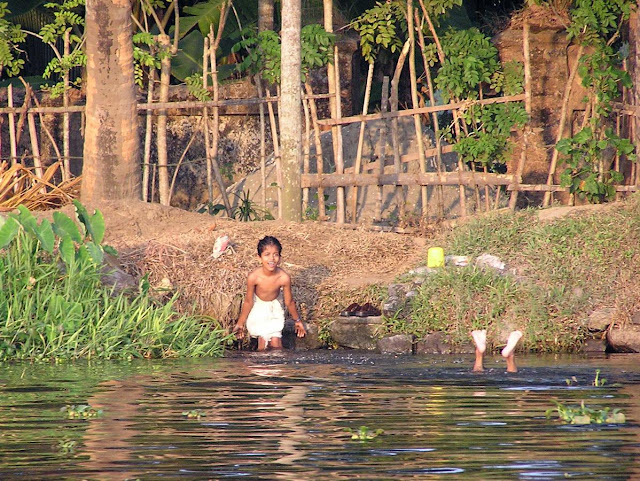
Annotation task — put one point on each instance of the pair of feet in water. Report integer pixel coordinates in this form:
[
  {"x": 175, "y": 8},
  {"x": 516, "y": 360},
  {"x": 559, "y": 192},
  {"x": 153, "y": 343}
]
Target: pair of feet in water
[{"x": 480, "y": 340}]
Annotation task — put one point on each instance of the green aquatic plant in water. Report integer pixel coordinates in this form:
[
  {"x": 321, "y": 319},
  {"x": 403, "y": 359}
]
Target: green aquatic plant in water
[
  {"x": 585, "y": 415},
  {"x": 81, "y": 411},
  {"x": 193, "y": 414},
  {"x": 364, "y": 433},
  {"x": 55, "y": 306}
]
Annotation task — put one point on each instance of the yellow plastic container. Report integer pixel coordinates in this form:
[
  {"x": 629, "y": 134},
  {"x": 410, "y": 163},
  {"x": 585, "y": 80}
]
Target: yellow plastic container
[{"x": 435, "y": 257}]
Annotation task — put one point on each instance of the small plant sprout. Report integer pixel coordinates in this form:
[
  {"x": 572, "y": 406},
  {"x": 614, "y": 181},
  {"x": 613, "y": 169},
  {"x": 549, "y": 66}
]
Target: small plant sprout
[
  {"x": 363, "y": 433},
  {"x": 81, "y": 411},
  {"x": 584, "y": 415},
  {"x": 598, "y": 381},
  {"x": 193, "y": 414},
  {"x": 571, "y": 381}
]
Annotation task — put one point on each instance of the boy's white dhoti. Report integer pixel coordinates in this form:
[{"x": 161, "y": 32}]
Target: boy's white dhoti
[{"x": 266, "y": 319}]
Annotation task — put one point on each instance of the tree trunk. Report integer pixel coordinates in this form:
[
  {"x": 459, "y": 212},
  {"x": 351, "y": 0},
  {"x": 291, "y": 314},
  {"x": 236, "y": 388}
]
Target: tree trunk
[
  {"x": 265, "y": 15},
  {"x": 111, "y": 148},
  {"x": 290, "y": 115}
]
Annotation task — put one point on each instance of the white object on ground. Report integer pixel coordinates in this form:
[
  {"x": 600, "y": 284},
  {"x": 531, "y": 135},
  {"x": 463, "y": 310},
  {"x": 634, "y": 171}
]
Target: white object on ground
[
  {"x": 488, "y": 260},
  {"x": 220, "y": 246}
]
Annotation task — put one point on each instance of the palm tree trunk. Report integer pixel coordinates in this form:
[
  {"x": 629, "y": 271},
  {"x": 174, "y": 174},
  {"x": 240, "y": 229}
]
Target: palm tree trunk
[
  {"x": 290, "y": 115},
  {"x": 111, "y": 148}
]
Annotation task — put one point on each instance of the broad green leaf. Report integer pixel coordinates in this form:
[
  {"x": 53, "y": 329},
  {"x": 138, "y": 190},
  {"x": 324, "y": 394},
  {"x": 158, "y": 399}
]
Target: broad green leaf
[
  {"x": 97, "y": 226},
  {"x": 26, "y": 219},
  {"x": 44, "y": 233},
  {"x": 63, "y": 224},
  {"x": 95, "y": 251},
  {"x": 67, "y": 250},
  {"x": 188, "y": 60},
  {"x": 8, "y": 231}
]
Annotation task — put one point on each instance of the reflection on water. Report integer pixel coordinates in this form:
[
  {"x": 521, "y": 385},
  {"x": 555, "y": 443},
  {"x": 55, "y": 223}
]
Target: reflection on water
[{"x": 286, "y": 416}]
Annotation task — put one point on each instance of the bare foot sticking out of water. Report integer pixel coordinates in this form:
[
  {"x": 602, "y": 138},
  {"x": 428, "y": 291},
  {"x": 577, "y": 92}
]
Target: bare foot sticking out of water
[
  {"x": 514, "y": 337},
  {"x": 480, "y": 340},
  {"x": 507, "y": 352}
]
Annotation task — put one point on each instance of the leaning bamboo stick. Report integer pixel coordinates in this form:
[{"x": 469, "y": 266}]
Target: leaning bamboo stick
[
  {"x": 305, "y": 153},
  {"x": 276, "y": 151},
  {"x": 414, "y": 103},
  {"x": 205, "y": 115},
  {"x": 358, "y": 162},
  {"x": 561, "y": 125},
  {"x": 215, "y": 43},
  {"x": 405, "y": 178},
  {"x": 322, "y": 213},
  {"x": 263, "y": 147}
]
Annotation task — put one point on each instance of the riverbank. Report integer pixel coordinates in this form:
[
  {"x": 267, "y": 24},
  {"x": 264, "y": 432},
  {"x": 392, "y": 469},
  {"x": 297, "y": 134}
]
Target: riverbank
[{"x": 561, "y": 264}]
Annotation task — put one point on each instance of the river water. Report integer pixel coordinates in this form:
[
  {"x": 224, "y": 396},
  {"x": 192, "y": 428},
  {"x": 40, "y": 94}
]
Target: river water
[{"x": 288, "y": 416}]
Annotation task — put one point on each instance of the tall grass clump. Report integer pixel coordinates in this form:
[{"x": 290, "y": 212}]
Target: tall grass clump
[
  {"x": 54, "y": 306},
  {"x": 559, "y": 272}
]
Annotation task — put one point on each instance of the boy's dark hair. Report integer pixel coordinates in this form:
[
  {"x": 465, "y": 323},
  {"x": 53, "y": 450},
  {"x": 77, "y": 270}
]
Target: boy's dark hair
[{"x": 269, "y": 241}]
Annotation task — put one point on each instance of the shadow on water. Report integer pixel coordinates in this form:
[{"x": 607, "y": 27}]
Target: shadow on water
[{"x": 288, "y": 416}]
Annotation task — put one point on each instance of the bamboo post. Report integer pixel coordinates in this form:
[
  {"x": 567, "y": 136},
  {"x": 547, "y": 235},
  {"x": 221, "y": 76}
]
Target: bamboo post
[
  {"x": 527, "y": 105},
  {"x": 263, "y": 147},
  {"x": 66, "y": 168},
  {"x": 161, "y": 135},
  {"x": 305, "y": 153},
  {"x": 414, "y": 102},
  {"x": 276, "y": 150},
  {"x": 395, "y": 81},
  {"x": 358, "y": 162},
  {"x": 147, "y": 137},
  {"x": 12, "y": 127},
  {"x": 322, "y": 213},
  {"x": 563, "y": 118},
  {"x": 434, "y": 119},
  {"x": 462, "y": 195},
  {"x": 205, "y": 116},
  {"x": 382, "y": 143},
  {"x": 333, "y": 80},
  {"x": 224, "y": 10}
]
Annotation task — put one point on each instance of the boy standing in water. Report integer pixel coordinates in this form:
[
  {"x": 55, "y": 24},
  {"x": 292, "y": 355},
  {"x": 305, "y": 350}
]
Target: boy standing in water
[
  {"x": 261, "y": 310},
  {"x": 480, "y": 340}
]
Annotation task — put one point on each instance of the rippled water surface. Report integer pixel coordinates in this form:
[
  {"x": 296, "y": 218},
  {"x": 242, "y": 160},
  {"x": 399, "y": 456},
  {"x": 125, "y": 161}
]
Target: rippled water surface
[{"x": 287, "y": 416}]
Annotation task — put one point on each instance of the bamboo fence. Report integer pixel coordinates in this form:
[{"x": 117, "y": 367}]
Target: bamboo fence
[{"x": 29, "y": 118}]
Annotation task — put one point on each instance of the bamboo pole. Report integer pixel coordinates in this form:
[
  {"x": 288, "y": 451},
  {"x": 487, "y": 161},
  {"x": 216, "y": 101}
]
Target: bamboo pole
[
  {"x": 215, "y": 43},
  {"x": 393, "y": 100},
  {"x": 205, "y": 116},
  {"x": 161, "y": 135},
  {"x": 35, "y": 149},
  {"x": 12, "y": 128},
  {"x": 263, "y": 147},
  {"x": 305, "y": 153},
  {"x": 278, "y": 162},
  {"x": 382, "y": 143},
  {"x": 276, "y": 149},
  {"x": 561, "y": 125},
  {"x": 414, "y": 103},
  {"x": 526, "y": 52},
  {"x": 322, "y": 213},
  {"x": 358, "y": 162},
  {"x": 147, "y": 137},
  {"x": 405, "y": 178},
  {"x": 66, "y": 168},
  {"x": 182, "y": 157},
  {"x": 335, "y": 106},
  {"x": 434, "y": 119}
]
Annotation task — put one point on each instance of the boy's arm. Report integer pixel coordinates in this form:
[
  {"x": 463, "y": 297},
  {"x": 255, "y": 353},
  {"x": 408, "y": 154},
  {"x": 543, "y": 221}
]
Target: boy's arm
[
  {"x": 247, "y": 305},
  {"x": 291, "y": 305}
]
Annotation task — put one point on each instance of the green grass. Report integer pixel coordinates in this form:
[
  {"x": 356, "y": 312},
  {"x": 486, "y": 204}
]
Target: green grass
[
  {"x": 54, "y": 311},
  {"x": 559, "y": 272}
]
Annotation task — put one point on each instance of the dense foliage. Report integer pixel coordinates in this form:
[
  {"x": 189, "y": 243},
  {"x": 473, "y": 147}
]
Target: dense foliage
[{"x": 54, "y": 304}]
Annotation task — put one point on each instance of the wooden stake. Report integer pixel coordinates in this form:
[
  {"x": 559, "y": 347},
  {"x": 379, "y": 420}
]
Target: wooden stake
[
  {"x": 382, "y": 143},
  {"x": 66, "y": 168},
  {"x": 305, "y": 153},
  {"x": 322, "y": 213},
  {"x": 12, "y": 128},
  {"x": 358, "y": 162},
  {"x": 147, "y": 137}
]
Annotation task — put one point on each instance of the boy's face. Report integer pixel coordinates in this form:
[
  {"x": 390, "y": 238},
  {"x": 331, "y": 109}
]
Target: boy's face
[{"x": 270, "y": 258}]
